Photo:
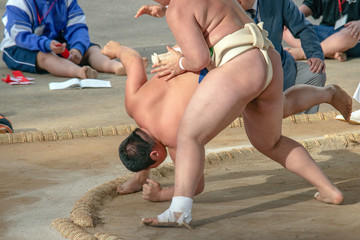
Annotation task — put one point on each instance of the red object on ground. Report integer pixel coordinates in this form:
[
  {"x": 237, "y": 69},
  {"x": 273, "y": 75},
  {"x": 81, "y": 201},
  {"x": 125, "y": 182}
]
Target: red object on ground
[
  {"x": 7, "y": 79},
  {"x": 18, "y": 79}
]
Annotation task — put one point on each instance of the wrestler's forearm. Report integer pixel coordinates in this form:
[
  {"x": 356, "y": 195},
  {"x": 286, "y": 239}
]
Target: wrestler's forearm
[
  {"x": 135, "y": 183},
  {"x": 134, "y": 66},
  {"x": 141, "y": 176},
  {"x": 126, "y": 55}
]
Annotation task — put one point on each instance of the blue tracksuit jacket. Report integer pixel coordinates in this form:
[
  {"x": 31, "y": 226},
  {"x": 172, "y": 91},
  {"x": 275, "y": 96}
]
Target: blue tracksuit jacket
[{"x": 61, "y": 20}]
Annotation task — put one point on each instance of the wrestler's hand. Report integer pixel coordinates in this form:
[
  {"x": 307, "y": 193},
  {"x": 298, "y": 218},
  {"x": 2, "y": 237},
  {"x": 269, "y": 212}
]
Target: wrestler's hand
[
  {"x": 110, "y": 49},
  {"x": 76, "y": 56},
  {"x": 169, "y": 67},
  {"x": 316, "y": 65},
  {"x": 151, "y": 191},
  {"x": 152, "y": 10},
  {"x": 354, "y": 27},
  {"x": 57, "y": 47}
]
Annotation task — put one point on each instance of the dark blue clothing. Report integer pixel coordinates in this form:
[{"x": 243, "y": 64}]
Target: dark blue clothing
[
  {"x": 202, "y": 74},
  {"x": 286, "y": 13},
  {"x": 329, "y": 10}
]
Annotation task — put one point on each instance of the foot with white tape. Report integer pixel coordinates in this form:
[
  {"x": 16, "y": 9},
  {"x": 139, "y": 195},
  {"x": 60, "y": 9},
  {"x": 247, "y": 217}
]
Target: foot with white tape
[
  {"x": 169, "y": 219},
  {"x": 178, "y": 215}
]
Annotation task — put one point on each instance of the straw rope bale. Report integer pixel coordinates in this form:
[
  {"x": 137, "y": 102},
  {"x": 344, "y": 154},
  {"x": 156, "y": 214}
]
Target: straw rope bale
[
  {"x": 70, "y": 231},
  {"x": 84, "y": 210},
  {"x": 65, "y": 134},
  {"x": 106, "y": 236}
]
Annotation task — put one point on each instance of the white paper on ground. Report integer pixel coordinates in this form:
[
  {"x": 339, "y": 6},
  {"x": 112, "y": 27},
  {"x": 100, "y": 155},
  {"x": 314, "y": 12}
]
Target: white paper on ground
[
  {"x": 77, "y": 83},
  {"x": 357, "y": 94}
]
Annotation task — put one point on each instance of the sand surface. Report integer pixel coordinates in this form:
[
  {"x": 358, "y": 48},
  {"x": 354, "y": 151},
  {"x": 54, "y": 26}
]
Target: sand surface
[{"x": 245, "y": 198}]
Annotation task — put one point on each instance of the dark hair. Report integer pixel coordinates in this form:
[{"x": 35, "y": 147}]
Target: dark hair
[{"x": 135, "y": 151}]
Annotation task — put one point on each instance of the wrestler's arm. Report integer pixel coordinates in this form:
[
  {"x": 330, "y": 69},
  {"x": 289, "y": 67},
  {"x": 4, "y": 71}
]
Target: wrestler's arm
[
  {"x": 135, "y": 183},
  {"x": 135, "y": 71},
  {"x": 188, "y": 35}
]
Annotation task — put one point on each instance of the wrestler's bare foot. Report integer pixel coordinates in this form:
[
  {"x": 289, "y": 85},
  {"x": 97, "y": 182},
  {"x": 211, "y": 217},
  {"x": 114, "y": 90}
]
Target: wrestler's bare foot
[
  {"x": 340, "y": 100},
  {"x": 331, "y": 196},
  {"x": 297, "y": 53},
  {"x": 340, "y": 56},
  {"x": 88, "y": 72}
]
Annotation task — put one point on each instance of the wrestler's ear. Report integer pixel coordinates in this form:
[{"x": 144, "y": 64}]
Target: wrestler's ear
[
  {"x": 154, "y": 155},
  {"x": 158, "y": 154}
]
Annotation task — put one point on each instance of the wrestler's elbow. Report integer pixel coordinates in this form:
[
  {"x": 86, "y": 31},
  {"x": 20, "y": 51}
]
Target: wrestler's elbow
[{"x": 201, "y": 63}]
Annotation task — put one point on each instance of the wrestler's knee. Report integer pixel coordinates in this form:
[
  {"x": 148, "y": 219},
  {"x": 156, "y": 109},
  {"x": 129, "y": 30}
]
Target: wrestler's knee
[
  {"x": 267, "y": 145},
  {"x": 189, "y": 131}
]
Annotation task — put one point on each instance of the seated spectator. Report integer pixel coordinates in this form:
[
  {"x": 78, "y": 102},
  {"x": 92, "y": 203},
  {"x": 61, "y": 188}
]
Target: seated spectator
[
  {"x": 339, "y": 30},
  {"x": 38, "y": 32}
]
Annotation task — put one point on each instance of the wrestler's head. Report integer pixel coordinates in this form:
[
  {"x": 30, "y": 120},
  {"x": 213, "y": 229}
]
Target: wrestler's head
[{"x": 141, "y": 151}]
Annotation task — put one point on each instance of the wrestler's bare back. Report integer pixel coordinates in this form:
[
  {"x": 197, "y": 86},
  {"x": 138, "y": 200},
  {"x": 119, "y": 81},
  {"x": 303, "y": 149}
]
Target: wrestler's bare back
[{"x": 164, "y": 106}]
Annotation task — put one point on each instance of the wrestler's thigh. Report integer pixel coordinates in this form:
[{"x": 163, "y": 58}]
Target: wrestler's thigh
[
  {"x": 222, "y": 96},
  {"x": 263, "y": 116}
]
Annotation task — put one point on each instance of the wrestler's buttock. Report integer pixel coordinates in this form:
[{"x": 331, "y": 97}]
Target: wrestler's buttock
[{"x": 232, "y": 45}]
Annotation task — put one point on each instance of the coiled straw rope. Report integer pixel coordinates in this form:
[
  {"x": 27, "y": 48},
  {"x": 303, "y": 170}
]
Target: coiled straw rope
[{"x": 65, "y": 134}]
